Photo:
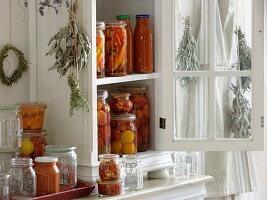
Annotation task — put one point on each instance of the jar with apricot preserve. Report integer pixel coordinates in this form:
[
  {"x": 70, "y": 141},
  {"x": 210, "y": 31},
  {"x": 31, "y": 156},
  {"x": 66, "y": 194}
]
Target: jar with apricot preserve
[
  {"x": 120, "y": 103},
  {"x": 123, "y": 134},
  {"x": 141, "y": 110},
  {"x": 103, "y": 122}
]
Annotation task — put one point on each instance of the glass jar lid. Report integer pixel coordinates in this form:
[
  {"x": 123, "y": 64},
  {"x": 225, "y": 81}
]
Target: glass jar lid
[
  {"x": 123, "y": 117},
  {"x": 32, "y": 105},
  {"x": 123, "y": 16},
  {"x": 102, "y": 93},
  {"x": 120, "y": 95},
  {"x": 142, "y": 16},
  {"x": 133, "y": 88},
  {"x": 34, "y": 133},
  {"x": 131, "y": 159},
  {"x": 46, "y": 159},
  {"x": 100, "y": 24},
  {"x": 108, "y": 156},
  {"x": 61, "y": 148},
  {"x": 116, "y": 24},
  {"x": 9, "y": 107},
  {"x": 16, "y": 162}
]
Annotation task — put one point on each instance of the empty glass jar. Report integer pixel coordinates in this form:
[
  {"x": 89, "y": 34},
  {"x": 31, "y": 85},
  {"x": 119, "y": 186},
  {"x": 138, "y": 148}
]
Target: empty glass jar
[
  {"x": 4, "y": 186},
  {"x": 5, "y": 158},
  {"x": 193, "y": 159},
  {"x": 181, "y": 170}
]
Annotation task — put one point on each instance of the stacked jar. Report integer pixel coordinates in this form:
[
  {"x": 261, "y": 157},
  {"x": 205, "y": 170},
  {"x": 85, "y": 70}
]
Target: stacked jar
[{"x": 100, "y": 49}]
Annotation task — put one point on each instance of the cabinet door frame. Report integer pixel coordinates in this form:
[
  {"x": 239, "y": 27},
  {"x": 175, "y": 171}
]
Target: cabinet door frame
[{"x": 168, "y": 93}]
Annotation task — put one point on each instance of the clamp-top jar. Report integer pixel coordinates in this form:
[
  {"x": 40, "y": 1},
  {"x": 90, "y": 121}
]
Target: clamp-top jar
[{"x": 120, "y": 103}]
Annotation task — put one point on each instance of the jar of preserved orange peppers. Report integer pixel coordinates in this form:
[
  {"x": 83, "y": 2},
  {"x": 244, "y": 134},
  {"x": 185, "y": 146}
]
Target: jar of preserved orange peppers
[
  {"x": 120, "y": 103},
  {"x": 123, "y": 134},
  {"x": 141, "y": 110},
  {"x": 100, "y": 49},
  {"x": 116, "y": 49},
  {"x": 103, "y": 122}
]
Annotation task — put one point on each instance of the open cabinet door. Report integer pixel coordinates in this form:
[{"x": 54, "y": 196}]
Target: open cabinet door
[{"x": 219, "y": 105}]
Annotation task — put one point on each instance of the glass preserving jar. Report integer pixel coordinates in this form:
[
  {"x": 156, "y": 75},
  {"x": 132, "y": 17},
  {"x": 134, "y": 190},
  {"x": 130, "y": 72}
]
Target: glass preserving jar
[
  {"x": 109, "y": 167},
  {"x": 110, "y": 188},
  {"x": 143, "y": 47},
  {"x": 191, "y": 158},
  {"x": 47, "y": 175},
  {"x": 141, "y": 110},
  {"x": 10, "y": 128},
  {"x": 32, "y": 115},
  {"x": 100, "y": 49},
  {"x": 22, "y": 178},
  {"x": 103, "y": 123},
  {"x": 123, "y": 134},
  {"x": 4, "y": 186},
  {"x": 130, "y": 65},
  {"x": 116, "y": 49},
  {"x": 33, "y": 143},
  {"x": 67, "y": 164},
  {"x": 133, "y": 172},
  {"x": 120, "y": 103},
  {"x": 5, "y": 158}
]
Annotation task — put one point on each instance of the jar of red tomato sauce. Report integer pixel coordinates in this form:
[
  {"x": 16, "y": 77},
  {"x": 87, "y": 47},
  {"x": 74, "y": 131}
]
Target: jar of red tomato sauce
[
  {"x": 103, "y": 122},
  {"x": 100, "y": 49},
  {"x": 143, "y": 48},
  {"x": 120, "y": 103},
  {"x": 141, "y": 110},
  {"x": 116, "y": 49}
]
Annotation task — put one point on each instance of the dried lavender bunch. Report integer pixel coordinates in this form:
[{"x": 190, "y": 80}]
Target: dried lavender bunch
[
  {"x": 241, "y": 114},
  {"x": 244, "y": 53},
  {"x": 187, "y": 55}
]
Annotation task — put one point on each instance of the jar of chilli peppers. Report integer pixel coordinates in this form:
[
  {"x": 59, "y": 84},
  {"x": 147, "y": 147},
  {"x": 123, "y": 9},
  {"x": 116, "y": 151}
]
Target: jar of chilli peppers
[
  {"x": 100, "y": 49},
  {"x": 109, "y": 167},
  {"x": 141, "y": 110},
  {"x": 103, "y": 122},
  {"x": 116, "y": 49},
  {"x": 123, "y": 134},
  {"x": 120, "y": 103}
]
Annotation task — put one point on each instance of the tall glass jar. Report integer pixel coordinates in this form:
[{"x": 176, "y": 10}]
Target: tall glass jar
[
  {"x": 130, "y": 52},
  {"x": 133, "y": 172},
  {"x": 120, "y": 103},
  {"x": 116, "y": 49},
  {"x": 67, "y": 164},
  {"x": 100, "y": 49},
  {"x": 103, "y": 123},
  {"x": 123, "y": 134},
  {"x": 193, "y": 159},
  {"x": 4, "y": 186},
  {"x": 141, "y": 110},
  {"x": 109, "y": 167},
  {"x": 143, "y": 48},
  {"x": 22, "y": 178},
  {"x": 5, "y": 158},
  {"x": 10, "y": 128}
]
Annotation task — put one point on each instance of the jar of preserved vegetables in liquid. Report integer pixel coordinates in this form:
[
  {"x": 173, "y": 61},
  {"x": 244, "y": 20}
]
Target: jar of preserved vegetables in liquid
[
  {"x": 143, "y": 48},
  {"x": 120, "y": 103},
  {"x": 4, "y": 186},
  {"x": 116, "y": 49},
  {"x": 100, "y": 49},
  {"x": 67, "y": 164},
  {"x": 130, "y": 64},
  {"x": 109, "y": 167},
  {"x": 141, "y": 110},
  {"x": 123, "y": 134},
  {"x": 103, "y": 123}
]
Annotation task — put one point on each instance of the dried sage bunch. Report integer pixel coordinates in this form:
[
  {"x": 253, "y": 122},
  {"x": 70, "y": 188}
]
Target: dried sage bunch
[
  {"x": 187, "y": 55},
  {"x": 244, "y": 53},
  {"x": 241, "y": 114},
  {"x": 71, "y": 49}
]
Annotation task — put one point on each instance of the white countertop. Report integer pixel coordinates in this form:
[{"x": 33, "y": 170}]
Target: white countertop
[{"x": 155, "y": 186}]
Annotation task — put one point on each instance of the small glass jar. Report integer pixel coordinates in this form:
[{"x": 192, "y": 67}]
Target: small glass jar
[
  {"x": 47, "y": 175},
  {"x": 141, "y": 110},
  {"x": 120, "y": 103},
  {"x": 181, "y": 170},
  {"x": 33, "y": 143},
  {"x": 33, "y": 115},
  {"x": 10, "y": 128},
  {"x": 133, "y": 172},
  {"x": 109, "y": 167},
  {"x": 110, "y": 188},
  {"x": 116, "y": 49},
  {"x": 67, "y": 164},
  {"x": 103, "y": 123},
  {"x": 5, "y": 158},
  {"x": 123, "y": 134},
  {"x": 4, "y": 186},
  {"x": 193, "y": 159},
  {"x": 22, "y": 178},
  {"x": 100, "y": 49}
]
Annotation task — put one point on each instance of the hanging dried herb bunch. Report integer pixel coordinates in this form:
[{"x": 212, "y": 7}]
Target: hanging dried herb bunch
[
  {"x": 71, "y": 49},
  {"x": 187, "y": 55},
  {"x": 241, "y": 114},
  {"x": 244, "y": 53}
]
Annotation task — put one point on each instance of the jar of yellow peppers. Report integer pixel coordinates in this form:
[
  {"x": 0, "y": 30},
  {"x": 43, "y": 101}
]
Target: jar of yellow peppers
[
  {"x": 116, "y": 49},
  {"x": 100, "y": 49}
]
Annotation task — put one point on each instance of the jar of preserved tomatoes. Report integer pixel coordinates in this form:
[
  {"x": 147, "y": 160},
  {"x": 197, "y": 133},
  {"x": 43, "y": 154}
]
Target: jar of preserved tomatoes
[
  {"x": 33, "y": 143},
  {"x": 130, "y": 65},
  {"x": 123, "y": 134},
  {"x": 100, "y": 49},
  {"x": 141, "y": 110},
  {"x": 143, "y": 48},
  {"x": 109, "y": 167},
  {"x": 116, "y": 49},
  {"x": 47, "y": 175},
  {"x": 120, "y": 103},
  {"x": 103, "y": 122}
]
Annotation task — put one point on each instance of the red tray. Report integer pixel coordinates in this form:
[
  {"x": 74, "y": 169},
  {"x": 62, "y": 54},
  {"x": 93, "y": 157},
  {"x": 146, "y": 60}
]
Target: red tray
[{"x": 82, "y": 189}]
